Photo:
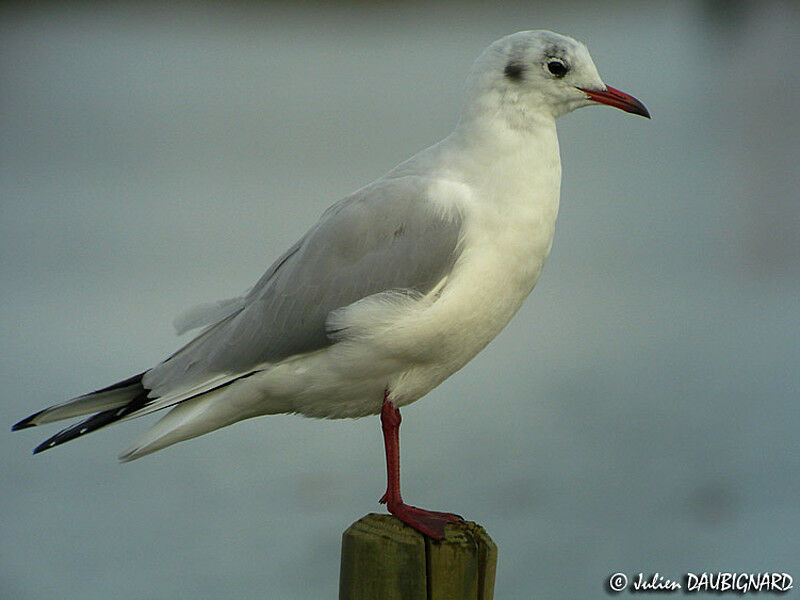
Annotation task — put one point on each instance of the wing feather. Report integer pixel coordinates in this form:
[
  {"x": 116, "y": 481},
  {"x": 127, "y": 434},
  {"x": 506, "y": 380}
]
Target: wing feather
[{"x": 387, "y": 236}]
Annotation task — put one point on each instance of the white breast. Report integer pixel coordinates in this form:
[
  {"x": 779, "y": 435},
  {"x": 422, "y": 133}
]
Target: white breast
[{"x": 509, "y": 221}]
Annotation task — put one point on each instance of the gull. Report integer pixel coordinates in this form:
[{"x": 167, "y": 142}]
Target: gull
[{"x": 394, "y": 289}]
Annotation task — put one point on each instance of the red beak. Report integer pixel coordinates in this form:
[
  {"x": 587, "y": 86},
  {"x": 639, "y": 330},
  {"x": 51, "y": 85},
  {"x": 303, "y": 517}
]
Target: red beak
[{"x": 617, "y": 99}]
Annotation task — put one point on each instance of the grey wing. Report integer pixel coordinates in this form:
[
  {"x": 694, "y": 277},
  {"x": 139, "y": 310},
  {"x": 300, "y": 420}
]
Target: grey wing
[{"x": 385, "y": 236}]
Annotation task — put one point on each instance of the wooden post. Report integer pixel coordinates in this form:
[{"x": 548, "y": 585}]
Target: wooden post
[{"x": 384, "y": 559}]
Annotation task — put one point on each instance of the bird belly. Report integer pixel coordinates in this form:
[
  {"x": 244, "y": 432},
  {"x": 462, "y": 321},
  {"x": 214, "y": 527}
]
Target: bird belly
[{"x": 489, "y": 284}]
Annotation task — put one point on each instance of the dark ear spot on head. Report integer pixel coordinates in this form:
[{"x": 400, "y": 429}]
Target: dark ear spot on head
[{"x": 514, "y": 71}]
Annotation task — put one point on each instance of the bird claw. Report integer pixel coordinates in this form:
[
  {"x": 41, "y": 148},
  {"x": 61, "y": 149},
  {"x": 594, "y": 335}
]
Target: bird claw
[{"x": 428, "y": 522}]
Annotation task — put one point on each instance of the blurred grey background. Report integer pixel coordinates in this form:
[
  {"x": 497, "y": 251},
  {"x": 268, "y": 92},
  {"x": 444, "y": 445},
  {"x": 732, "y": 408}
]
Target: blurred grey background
[{"x": 641, "y": 412}]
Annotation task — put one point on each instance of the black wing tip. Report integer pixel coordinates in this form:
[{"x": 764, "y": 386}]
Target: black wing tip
[
  {"x": 97, "y": 421},
  {"x": 63, "y": 436},
  {"x": 93, "y": 423},
  {"x": 41, "y": 448},
  {"x": 27, "y": 422},
  {"x": 135, "y": 380},
  {"x": 56, "y": 440}
]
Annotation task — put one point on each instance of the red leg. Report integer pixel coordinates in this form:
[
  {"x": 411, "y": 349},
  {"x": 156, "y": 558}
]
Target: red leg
[{"x": 427, "y": 522}]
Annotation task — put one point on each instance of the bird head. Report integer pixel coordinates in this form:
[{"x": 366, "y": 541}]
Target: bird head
[{"x": 539, "y": 74}]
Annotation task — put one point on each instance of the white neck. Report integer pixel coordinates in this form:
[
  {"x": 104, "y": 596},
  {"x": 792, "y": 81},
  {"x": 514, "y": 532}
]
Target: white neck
[
  {"x": 505, "y": 154},
  {"x": 489, "y": 152}
]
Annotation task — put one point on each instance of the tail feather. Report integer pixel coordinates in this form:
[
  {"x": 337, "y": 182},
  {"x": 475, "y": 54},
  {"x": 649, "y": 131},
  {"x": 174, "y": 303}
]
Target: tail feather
[
  {"x": 105, "y": 399},
  {"x": 188, "y": 419},
  {"x": 199, "y": 415}
]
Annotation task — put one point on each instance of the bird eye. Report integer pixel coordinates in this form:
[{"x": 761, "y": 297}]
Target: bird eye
[{"x": 557, "y": 67}]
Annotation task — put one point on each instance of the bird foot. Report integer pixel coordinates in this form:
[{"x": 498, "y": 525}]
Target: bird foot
[{"x": 428, "y": 522}]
